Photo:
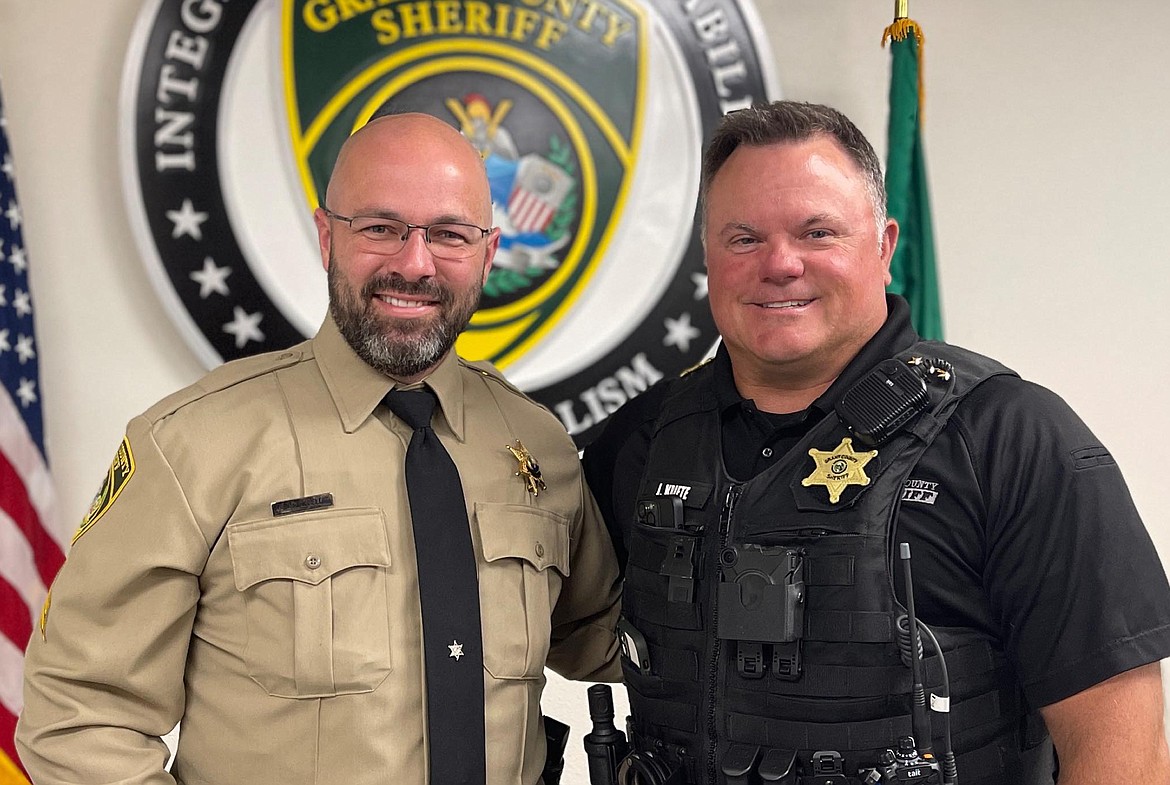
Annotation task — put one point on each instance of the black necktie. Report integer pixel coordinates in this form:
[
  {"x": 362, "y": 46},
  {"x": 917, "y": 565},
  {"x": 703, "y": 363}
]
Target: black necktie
[{"x": 449, "y": 593}]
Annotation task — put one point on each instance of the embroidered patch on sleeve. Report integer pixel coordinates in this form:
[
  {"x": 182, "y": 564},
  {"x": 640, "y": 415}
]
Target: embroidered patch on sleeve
[{"x": 121, "y": 470}]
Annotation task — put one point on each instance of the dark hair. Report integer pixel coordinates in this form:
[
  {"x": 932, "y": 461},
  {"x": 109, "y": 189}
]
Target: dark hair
[{"x": 792, "y": 121}]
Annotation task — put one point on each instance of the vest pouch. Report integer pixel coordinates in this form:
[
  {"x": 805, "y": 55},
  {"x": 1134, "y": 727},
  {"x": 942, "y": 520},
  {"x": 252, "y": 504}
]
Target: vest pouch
[{"x": 660, "y": 577}]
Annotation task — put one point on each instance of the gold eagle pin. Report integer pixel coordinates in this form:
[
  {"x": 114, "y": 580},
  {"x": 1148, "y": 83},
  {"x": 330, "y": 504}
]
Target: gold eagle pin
[
  {"x": 529, "y": 469},
  {"x": 838, "y": 469}
]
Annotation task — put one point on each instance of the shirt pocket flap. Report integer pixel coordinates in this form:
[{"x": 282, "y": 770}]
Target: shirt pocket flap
[
  {"x": 308, "y": 548},
  {"x": 514, "y": 531}
]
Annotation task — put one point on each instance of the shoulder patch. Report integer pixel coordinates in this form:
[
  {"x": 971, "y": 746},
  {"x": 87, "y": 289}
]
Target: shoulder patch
[{"x": 119, "y": 474}]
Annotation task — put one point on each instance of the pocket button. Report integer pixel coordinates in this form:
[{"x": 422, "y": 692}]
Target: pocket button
[{"x": 312, "y": 561}]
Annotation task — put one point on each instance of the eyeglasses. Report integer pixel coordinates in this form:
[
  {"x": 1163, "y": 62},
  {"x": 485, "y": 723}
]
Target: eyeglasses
[{"x": 388, "y": 235}]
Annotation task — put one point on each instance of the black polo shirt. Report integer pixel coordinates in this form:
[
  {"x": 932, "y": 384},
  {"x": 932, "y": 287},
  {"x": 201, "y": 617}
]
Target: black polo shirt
[{"x": 1019, "y": 521}]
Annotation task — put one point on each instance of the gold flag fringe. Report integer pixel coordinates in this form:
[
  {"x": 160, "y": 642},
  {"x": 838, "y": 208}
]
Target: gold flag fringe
[{"x": 900, "y": 30}]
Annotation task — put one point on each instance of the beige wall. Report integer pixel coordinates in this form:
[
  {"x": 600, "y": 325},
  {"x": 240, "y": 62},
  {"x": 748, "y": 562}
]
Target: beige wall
[{"x": 1047, "y": 144}]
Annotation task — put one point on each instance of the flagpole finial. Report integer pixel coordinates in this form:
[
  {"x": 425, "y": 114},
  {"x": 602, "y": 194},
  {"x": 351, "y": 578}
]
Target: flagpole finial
[{"x": 901, "y": 9}]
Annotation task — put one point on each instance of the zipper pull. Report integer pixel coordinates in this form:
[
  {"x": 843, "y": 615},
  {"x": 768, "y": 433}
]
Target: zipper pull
[{"x": 729, "y": 507}]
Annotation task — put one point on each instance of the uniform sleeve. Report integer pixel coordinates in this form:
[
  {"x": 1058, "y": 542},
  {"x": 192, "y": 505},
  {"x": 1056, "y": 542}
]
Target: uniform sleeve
[
  {"x": 584, "y": 623},
  {"x": 105, "y": 680},
  {"x": 1071, "y": 572}
]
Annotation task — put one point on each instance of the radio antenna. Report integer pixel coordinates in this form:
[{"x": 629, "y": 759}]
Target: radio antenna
[{"x": 920, "y": 716}]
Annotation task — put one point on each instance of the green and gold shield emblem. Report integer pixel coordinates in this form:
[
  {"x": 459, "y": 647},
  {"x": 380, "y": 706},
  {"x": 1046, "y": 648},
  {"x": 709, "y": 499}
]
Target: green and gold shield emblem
[{"x": 520, "y": 80}]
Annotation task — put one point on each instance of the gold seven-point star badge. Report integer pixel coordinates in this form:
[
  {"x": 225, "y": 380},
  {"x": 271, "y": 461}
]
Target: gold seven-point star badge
[
  {"x": 837, "y": 469},
  {"x": 528, "y": 469}
]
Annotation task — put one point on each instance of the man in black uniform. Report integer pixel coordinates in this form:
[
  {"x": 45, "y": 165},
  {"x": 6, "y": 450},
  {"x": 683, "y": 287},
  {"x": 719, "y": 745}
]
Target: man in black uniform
[{"x": 760, "y": 503}]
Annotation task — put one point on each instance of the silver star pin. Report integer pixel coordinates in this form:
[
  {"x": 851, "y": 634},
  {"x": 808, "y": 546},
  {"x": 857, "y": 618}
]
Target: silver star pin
[{"x": 456, "y": 650}]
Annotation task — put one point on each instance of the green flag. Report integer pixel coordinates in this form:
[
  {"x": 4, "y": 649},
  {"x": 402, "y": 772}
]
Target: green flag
[{"x": 913, "y": 265}]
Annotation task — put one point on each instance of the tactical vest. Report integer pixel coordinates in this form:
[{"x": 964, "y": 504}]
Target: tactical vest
[{"x": 766, "y": 616}]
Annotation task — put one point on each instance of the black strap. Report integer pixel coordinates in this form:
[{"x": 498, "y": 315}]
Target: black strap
[{"x": 449, "y": 594}]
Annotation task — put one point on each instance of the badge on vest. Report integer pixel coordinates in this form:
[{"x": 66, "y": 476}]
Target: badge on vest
[
  {"x": 529, "y": 469},
  {"x": 839, "y": 468}
]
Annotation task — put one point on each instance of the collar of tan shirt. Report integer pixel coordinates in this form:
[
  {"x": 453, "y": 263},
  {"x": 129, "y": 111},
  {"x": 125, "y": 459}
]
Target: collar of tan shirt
[{"x": 357, "y": 389}]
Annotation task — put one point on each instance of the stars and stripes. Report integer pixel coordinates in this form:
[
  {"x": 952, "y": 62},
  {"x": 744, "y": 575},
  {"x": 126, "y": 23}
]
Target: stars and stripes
[
  {"x": 31, "y": 550},
  {"x": 538, "y": 191}
]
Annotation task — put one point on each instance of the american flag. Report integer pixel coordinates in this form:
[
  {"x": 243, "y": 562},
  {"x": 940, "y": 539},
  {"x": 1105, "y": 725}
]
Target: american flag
[{"x": 31, "y": 550}]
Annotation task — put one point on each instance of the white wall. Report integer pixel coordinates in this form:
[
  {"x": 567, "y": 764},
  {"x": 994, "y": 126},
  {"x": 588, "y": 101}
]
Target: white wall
[{"x": 1047, "y": 145}]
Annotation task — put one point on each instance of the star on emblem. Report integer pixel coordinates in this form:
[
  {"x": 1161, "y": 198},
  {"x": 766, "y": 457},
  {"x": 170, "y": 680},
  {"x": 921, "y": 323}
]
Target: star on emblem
[
  {"x": 837, "y": 469},
  {"x": 529, "y": 469},
  {"x": 245, "y": 326},
  {"x": 212, "y": 278},
  {"x": 456, "y": 650},
  {"x": 187, "y": 221},
  {"x": 700, "y": 282},
  {"x": 680, "y": 332}
]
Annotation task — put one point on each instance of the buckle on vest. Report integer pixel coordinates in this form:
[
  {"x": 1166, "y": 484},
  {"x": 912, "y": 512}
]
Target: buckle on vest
[
  {"x": 786, "y": 661},
  {"x": 828, "y": 768},
  {"x": 749, "y": 659},
  {"x": 752, "y": 662}
]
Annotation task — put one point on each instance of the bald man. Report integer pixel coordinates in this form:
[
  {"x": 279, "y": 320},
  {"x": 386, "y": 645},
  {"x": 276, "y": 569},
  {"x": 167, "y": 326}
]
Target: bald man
[{"x": 250, "y": 566}]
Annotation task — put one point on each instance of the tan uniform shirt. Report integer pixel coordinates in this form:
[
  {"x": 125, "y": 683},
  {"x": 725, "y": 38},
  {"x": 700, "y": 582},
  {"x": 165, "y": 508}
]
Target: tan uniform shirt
[{"x": 290, "y": 646}]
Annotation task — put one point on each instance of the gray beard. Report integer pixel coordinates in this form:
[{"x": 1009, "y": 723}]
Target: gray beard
[{"x": 398, "y": 347}]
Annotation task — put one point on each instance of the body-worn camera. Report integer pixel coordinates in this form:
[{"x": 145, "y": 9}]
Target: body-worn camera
[
  {"x": 761, "y": 608},
  {"x": 761, "y": 597},
  {"x": 660, "y": 512}
]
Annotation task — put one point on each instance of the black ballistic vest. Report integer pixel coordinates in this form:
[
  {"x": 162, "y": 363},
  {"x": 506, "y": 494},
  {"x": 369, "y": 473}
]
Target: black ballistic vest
[{"x": 723, "y": 674}]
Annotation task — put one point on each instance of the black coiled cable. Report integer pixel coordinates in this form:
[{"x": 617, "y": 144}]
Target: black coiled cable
[{"x": 905, "y": 648}]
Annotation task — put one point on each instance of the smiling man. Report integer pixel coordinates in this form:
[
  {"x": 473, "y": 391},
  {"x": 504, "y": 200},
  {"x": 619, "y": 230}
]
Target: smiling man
[
  {"x": 759, "y": 504},
  {"x": 348, "y": 562}
]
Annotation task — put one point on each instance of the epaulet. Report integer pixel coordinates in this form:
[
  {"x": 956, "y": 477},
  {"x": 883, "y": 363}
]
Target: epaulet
[
  {"x": 228, "y": 375},
  {"x": 489, "y": 371},
  {"x": 695, "y": 367}
]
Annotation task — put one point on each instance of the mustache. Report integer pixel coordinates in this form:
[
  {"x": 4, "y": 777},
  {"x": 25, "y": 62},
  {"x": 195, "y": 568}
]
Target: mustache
[{"x": 394, "y": 282}]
